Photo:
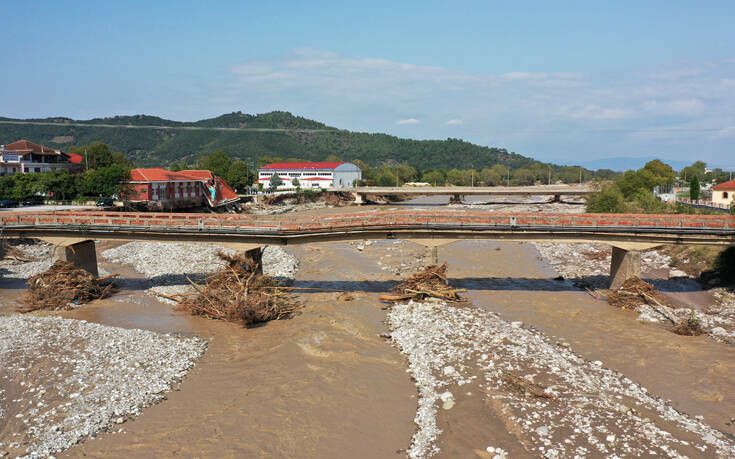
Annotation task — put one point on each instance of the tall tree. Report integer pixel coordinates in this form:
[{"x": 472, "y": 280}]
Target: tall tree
[
  {"x": 238, "y": 176},
  {"x": 275, "y": 181},
  {"x": 694, "y": 188},
  {"x": 218, "y": 162}
]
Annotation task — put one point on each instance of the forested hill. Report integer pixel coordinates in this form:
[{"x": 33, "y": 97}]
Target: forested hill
[{"x": 144, "y": 141}]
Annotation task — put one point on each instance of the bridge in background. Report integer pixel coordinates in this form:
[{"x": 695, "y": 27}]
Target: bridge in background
[
  {"x": 628, "y": 234},
  {"x": 555, "y": 191}
]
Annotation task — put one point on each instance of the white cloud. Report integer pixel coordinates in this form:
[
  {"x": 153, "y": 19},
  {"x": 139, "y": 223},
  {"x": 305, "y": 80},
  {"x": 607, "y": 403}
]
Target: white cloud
[
  {"x": 375, "y": 94},
  {"x": 524, "y": 76},
  {"x": 726, "y": 132},
  {"x": 408, "y": 121}
]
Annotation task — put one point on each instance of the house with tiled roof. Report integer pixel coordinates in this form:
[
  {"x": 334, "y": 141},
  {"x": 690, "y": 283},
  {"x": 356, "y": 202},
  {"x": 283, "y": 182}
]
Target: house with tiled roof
[
  {"x": 25, "y": 156},
  {"x": 724, "y": 193},
  {"x": 160, "y": 188},
  {"x": 326, "y": 174}
]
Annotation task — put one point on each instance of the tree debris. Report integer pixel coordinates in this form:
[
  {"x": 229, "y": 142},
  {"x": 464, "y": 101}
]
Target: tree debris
[
  {"x": 64, "y": 286},
  {"x": 524, "y": 386},
  {"x": 431, "y": 282},
  {"x": 239, "y": 294},
  {"x": 690, "y": 327},
  {"x": 634, "y": 292}
]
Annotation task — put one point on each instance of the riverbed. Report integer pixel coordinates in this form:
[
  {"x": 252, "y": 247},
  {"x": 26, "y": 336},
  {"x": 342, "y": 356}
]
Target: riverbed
[{"x": 333, "y": 382}]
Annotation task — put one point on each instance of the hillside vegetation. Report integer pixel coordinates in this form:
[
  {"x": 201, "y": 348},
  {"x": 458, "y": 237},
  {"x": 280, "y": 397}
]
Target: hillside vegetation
[{"x": 186, "y": 142}]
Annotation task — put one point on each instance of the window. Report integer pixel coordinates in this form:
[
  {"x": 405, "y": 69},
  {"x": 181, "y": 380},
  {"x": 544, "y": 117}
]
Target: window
[{"x": 724, "y": 195}]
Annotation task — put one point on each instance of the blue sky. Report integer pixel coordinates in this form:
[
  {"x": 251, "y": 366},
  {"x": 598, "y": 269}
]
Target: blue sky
[{"x": 558, "y": 81}]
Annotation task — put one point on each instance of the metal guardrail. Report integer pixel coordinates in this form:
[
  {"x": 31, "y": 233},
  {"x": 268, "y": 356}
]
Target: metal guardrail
[{"x": 704, "y": 204}]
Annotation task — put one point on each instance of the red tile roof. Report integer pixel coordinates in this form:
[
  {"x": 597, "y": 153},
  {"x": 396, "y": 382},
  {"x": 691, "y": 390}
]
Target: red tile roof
[
  {"x": 729, "y": 185},
  {"x": 303, "y": 166},
  {"x": 25, "y": 147},
  {"x": 75, "y": 158},
  {"x": 197, "y": 174},
  {"x": 157, "y": 174}
]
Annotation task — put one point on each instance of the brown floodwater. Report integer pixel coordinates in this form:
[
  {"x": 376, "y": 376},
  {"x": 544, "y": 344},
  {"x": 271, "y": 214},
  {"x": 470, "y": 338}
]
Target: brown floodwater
[
  {"x": 693, "y": 372},
  {"x": 324, "y": 384}
]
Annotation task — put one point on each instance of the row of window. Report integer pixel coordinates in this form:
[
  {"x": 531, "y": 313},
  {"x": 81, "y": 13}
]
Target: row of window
[{"x": 297, "y": 174}]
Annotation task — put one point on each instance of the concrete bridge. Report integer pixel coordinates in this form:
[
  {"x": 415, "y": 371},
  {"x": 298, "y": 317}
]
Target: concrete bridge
[
  {"x": 628, "y": 234},
  {"x": 555, "y": 191}
]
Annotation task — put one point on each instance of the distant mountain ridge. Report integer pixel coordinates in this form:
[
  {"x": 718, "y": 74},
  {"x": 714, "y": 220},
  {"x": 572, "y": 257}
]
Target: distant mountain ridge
[{"x": 159, "y": 147}]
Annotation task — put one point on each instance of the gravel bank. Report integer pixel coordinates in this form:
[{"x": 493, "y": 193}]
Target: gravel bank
[
  {"x": 40, "y": 255},
  {"x": 67, "y": 380},
  {"x": 585, "y": 409},
  {"x": 167, "y": 264}
]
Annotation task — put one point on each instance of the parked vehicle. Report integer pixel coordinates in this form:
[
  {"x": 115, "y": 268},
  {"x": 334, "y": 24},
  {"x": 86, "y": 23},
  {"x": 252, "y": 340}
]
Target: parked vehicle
[
  {"x": 33, "y": 201},
  {"x": 104, "y": 202},
  {"x": 9, "y": 203}
]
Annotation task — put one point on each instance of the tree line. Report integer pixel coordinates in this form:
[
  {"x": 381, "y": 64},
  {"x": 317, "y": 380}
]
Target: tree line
[{"x": 632, "y": 191}]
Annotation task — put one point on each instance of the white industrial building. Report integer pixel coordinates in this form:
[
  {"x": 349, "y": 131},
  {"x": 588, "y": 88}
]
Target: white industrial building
[{"x": 311, "y": 175}]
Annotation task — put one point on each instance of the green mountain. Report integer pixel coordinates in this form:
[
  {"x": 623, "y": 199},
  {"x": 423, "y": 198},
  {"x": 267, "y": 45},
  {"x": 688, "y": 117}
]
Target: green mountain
[{"x": 153, "y": 141}]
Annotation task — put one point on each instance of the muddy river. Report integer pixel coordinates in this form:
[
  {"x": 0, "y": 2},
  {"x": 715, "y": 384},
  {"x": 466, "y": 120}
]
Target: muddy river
[{"x": 326, "y": 384}]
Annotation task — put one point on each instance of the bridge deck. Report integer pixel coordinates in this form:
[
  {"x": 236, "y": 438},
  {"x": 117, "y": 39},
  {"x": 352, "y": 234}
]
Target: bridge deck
[
  {"x": 466, "y": 190},
  {"x": 409, "y": 224}
]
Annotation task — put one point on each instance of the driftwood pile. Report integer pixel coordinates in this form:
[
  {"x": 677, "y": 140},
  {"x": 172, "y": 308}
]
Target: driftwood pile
[
  {"x": 633, "y": 292},
  {"x": 239, "y": 293},
  {"x": 429, "y": 283},
  {"x": 636, "y": 291},
  {"x": 690, "y": 327},
  {"x": 64, "y": 286}
]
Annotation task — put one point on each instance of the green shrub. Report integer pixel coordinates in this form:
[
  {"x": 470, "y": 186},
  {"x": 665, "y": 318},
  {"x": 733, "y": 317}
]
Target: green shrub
[
  {"x": 649, "y": 203},
  {"x": 608, "y": 200}
]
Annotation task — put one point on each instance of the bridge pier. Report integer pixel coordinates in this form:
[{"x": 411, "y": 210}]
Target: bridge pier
[
  {"x": 625, "y": 264},
  {"x": 256, "y": 255},
  {"x": 359, "y": 198},
  {"x": 432, "y": 255},
  {"x": 556, "y": 198},
  {"x": 81, "y": 254},
  {"x": 455, "y": 199}
]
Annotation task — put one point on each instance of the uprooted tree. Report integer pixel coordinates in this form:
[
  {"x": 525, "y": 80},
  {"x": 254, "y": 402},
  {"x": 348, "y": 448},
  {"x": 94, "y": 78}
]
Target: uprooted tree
[
  {"x": 239, "y": 293},
  {"x": 431, "y": 282}
]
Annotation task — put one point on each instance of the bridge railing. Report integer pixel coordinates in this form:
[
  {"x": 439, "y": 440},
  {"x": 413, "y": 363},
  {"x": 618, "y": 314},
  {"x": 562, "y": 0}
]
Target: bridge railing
[{"x": 364, "y": 220}]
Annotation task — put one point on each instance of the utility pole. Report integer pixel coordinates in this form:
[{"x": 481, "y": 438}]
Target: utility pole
[
  {"x": 472, "y": 166},
  {"x": 549, "y": 174},
  {"x": 508, "y": 181},
  {"x": 86, "y": 161}
]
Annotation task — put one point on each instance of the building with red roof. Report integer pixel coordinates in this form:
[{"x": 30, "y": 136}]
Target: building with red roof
[
  {"x": 330, "y": 174},
  {"x": 160, "y": 188},
  {"x": 25, "y": 156},
  {"x": 724, "y": 193}
]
